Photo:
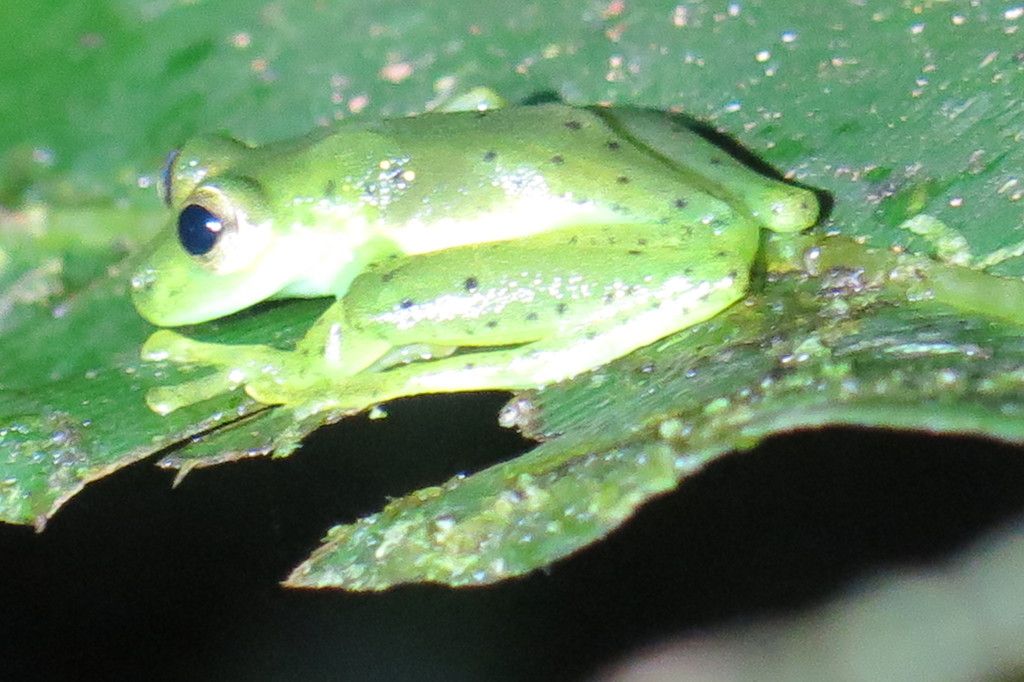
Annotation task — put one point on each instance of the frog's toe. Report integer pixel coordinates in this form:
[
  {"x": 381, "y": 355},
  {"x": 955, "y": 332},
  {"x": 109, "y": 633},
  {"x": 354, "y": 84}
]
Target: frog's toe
[
  {"x": 165, "y": 344},
  {"x": 268, "y": 393},
  {"x": 321, "y": 399},
  {"x": 281, "y": 384},
  {"x": 166, "y": 399}
]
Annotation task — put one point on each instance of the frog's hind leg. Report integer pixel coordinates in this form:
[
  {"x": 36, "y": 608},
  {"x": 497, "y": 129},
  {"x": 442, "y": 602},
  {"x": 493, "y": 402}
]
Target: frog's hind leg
[
  {"x": 774, "y": 204},
  {"x": 539, "y": 363},
  {"x": 524, "y": 315}
]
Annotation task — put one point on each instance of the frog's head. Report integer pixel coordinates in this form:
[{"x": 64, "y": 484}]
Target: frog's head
[{"x": 225, "y": 249}]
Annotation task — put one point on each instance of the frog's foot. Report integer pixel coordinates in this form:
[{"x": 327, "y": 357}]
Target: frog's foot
[
  {"x": 233, "y": 366},
  {"x": 310, "y": 385},
  {"x": 950, "y": 245},
  {"x": 952, "y": 248},
  {"x": 294, "y": 379},
  {"x": 1015, "y": 250},
  {"x": 304, "y": 396},
  {"x": 328, "y": 398},
  {"x": 166, "y": 399}
]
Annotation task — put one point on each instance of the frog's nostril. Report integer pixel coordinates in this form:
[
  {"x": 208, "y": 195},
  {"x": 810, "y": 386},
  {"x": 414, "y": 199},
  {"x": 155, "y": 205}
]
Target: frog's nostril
[
  {"x": 143, "y": 280},
  {"x": 165, "y": 187}
]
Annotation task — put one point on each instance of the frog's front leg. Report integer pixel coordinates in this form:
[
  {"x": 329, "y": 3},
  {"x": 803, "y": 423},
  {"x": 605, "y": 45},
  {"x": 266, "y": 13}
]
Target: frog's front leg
[
  {"x": 270, "y": 375},
  {"x": 234, "y": 366},
  {"x": 315, "y": 376},
  {"x": 310, "y": 378}
]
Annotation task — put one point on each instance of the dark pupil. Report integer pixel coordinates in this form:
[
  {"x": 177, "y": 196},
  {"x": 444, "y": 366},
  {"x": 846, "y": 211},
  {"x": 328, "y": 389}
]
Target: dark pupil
[{"x": 198, "y": 229}]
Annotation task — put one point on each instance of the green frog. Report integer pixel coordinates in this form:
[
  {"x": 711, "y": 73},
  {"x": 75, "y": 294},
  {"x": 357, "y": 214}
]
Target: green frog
[{"x": 500, "y": 248}]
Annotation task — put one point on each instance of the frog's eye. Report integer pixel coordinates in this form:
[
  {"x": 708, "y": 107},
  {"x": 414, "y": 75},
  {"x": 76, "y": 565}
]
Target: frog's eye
[
  {"x": 217, "y": 229},
  {"x": 199, "y": 229}
]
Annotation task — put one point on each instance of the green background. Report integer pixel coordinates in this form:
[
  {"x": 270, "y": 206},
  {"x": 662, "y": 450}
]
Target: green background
[{"x": 892, "y": 109}]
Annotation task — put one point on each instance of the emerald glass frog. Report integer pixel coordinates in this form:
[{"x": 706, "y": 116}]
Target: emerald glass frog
[{"x": 494, "y": 249}]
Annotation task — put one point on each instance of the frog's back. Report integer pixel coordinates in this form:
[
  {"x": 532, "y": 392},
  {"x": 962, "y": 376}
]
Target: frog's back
[
  {"x": 545, "y": 165},
  {"x": 569, "y": 150}
]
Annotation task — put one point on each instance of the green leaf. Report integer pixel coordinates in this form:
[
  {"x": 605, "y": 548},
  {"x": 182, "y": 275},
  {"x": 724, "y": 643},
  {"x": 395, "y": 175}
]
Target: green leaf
[
  {"x": 903, "y": 112},
  {"x": 802, "y": 354}
]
